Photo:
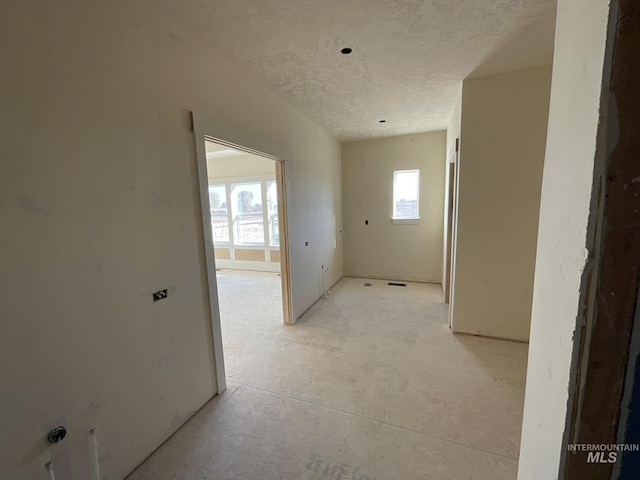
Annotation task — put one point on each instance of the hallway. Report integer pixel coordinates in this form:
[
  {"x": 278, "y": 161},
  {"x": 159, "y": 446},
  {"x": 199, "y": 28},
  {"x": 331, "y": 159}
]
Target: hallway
[{"x": 370, "y": 384}]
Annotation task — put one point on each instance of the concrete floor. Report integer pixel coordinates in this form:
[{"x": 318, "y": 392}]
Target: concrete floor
[{"x": 370, "y": 384}]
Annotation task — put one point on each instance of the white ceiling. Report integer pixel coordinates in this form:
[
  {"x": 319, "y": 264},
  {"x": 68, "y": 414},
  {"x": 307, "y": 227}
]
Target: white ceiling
[{"x": 408, "y": 55}]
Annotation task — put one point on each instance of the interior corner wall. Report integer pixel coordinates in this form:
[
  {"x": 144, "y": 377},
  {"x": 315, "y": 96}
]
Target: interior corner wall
[
  {"x": 564, "y": 214},
  {"x": 99, "y": 208},
  {"x": 383, "y": 249},
  {"x": 503, "y": 133}
]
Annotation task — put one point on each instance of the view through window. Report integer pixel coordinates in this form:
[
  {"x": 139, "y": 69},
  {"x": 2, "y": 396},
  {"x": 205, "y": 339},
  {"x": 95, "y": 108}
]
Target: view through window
[
  {"x": 406, "y": 194},
  {"x": 238, "y": 216},
  {"x": 219, "y": 214}
]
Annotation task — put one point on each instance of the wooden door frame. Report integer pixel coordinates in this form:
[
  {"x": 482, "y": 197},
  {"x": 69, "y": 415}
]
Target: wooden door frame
[
  {"x": 205, "y": 129},
  {"x": 452, "y": 165}
]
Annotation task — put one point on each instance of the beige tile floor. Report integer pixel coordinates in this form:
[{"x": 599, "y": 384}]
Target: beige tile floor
[{"x": 370, "y": 384}]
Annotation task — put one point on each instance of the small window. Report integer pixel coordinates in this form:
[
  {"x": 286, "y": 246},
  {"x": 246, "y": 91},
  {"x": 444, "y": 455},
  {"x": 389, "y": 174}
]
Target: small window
[{"x": 406, "y": 194}]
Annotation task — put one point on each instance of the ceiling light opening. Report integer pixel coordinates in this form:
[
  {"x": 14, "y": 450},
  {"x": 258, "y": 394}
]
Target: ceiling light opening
[{"x": 346, "y": 51}]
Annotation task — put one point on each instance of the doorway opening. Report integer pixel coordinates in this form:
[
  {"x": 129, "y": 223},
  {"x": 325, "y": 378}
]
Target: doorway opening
[
  {"x": 243, "y": 203},
  {"x": 245, "y": 227}
]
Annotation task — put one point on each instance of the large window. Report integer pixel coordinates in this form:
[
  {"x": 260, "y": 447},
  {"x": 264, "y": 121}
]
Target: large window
[
  {"x": 246, "y": 204},
  {"x": 406, "y": 194},
  {"x": 244, "y": 214}
]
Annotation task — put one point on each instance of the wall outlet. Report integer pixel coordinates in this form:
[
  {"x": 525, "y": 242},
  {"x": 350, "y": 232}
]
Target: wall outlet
[{"x": 160, "y": 295}]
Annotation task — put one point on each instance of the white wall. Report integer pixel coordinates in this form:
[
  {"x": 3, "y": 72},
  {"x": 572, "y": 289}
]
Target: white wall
[
  {"x": 564, "y": 211},
  {"x": 383, "y": 249},
  {"x": 503, "y": 132},
  {"x": 99, "y": 208},
  {"x": 455, "y": 120},
  {"x": 530, "y": 47},
  {"x": 239, "y": 166}
]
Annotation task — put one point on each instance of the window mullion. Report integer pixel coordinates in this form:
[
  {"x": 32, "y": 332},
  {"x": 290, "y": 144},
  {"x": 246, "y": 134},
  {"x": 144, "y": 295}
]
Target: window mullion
[{"x": 230, "y": 219}]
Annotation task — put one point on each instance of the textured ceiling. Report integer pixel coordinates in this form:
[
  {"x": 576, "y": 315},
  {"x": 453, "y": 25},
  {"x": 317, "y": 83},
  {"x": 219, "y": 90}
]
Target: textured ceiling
[{"x": 408, "y": 55}]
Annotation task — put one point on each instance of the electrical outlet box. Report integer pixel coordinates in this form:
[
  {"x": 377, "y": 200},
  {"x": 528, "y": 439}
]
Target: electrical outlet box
[{"x": 160, "y": 295}]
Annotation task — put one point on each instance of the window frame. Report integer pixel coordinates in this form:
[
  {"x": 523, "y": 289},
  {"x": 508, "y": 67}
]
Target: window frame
[
  {"x": 272, "y": 214},
  {"x": 405, "y": 220},
  {"x": 236, "y": 215}
]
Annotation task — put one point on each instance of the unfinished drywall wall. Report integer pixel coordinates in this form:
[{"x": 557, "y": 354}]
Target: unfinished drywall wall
[
  {"x": 530, "y": 47},
  {"x": 236, "y": 166},
  {"x": 455, "y": 120},
  {"x": 503, "y": 132},
  {"x": 99, "y": 210},
  {"x": 383, "y": 249},
  {"x": 564, "y": 211}
]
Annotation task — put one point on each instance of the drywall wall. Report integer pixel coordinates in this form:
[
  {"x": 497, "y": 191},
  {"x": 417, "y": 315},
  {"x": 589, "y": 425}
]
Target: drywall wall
[
  {"x": 383, "y": 249},
  {"x": 564, "y": 210},
  {"x": 531, "y": 47},
  {"x": 503, "y": 132},
  {"x": 99, "y": 208},
  {"x": 455, "y": 120},
  {"x": 240, "y": 166}
]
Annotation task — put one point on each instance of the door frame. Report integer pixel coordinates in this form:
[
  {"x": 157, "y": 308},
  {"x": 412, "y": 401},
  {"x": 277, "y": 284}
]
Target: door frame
[
  {"x": 452, "y": 165},
  {"x": 206, "y": 129}
]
